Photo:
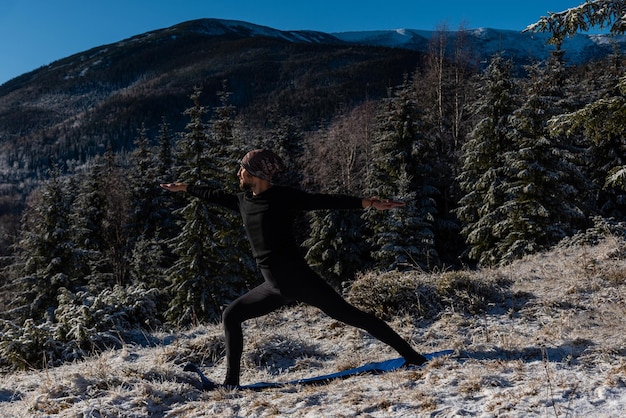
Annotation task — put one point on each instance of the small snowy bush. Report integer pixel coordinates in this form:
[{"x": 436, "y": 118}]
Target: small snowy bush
[
  {"x": 464, "y": 292},
  {"x": 83, "y": 323},
  {"x": 393, "y": 293},
  {"x": 424, "y": 295}
]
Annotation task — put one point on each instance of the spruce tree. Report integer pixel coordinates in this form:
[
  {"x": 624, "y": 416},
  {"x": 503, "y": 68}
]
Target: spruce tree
[
  {"x": 87, "y": 216},
  {"x": 146, "y": 259},
  {"x": 335, "y": 245},
  {"x": 590, "y": 14},
  {"x": 202, "y": 278},
  {"x": 599, "y": 126},
  {"x": 545, "y": 186},
  {"x": 165, "y": 159},
  {"x": 116, "y": 218},
  {"x": 165, "y": 204},
  {"x": 46, "y": 251},
  {"x": 401, "y": 169},
  {"x": 227, "y": 146},
  {"x": 100, "y": 218},
  {"x": 482, "y": 176},
  {"x": 289, "y": 139},
  {"x": 286, "y": 140},
  {"x": 143, "y": 189},
  {"x": 407, "y": 241},
  {"x": 239, "y": 268},
  {"x": 601, "y": 121}
]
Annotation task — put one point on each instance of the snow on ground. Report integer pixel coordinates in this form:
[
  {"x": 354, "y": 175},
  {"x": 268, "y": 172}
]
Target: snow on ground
[{"x": 554, "y": 348}]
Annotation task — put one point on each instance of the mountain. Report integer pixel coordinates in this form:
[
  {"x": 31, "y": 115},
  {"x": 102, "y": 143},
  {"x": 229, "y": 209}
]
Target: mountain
[
  {"x": 521, "y": 47},
  {"x": 76, "y": 106}
]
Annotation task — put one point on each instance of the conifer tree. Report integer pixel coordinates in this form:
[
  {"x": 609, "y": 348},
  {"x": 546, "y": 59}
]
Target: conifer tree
[
  {"x": 482, "y": 176},
  {"x": 402, "y": 168},
  {"x": 588, "y": 15},
  {"x": 164, "y": 204},
  {"x": 152, "y": 256},
  {"x": 240, "y": 267},
  {"x": 407, "y": 241},
  {"x": 601, "y": 126},
  {"x": 545, "y": 186},
  {"x": 227, "y": 147},
  {"x": 601, "y": 121},
  {"x": 146, "y": 259},
  {"x": 88, "y": 207},
  {"x": 286, "y": 139},
  {"x": 87, "y": 215},
  {"x": 335, "y": 245},
  {"x": 47, "y": 251},
  {"x": 445, "y": 86},
  {"x": 100, "y": 219},
  {"x": 202, "y": 281},
  {"x": 165, "y": 159},
  {"x": 143, "y": 189},
  {"x": 116, "y": 212}
]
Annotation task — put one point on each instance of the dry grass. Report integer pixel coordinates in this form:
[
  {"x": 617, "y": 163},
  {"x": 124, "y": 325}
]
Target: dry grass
[{"x": 541, "y": 337}]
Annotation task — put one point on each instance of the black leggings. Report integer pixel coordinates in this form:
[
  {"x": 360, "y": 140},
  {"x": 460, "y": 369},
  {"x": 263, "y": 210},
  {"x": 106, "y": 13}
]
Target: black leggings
[{"x": 289, "y": 282}]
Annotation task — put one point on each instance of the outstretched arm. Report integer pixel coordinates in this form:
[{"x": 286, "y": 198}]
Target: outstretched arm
[
  {"x": 384, "y": 204},
  {"x": 175, "y": 187},
  {"x": 209, "y": 195}
]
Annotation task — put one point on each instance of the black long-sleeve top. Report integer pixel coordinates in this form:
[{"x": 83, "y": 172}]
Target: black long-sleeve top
[{"x": 268, "y": 217}]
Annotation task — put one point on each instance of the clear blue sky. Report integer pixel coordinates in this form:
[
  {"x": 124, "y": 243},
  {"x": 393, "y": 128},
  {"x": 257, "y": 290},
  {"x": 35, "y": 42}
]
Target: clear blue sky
[{"x": 34, "y": 33}]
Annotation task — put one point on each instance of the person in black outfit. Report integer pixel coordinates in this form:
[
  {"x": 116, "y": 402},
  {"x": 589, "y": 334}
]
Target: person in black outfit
[{"x": 268, "y": 212}]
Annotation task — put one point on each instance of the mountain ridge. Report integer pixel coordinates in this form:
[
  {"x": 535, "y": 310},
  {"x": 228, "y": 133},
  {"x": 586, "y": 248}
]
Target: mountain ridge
[
  {"x": 488, "y": 41},
  {"x": 72, "y": 107},
  {"x": 75, "y": 106},
  {"x": 523, "y": 47}
]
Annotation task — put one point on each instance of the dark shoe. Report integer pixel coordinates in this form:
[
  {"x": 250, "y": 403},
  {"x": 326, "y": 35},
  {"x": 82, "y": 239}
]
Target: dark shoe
[{"x": 415, "y": 359}]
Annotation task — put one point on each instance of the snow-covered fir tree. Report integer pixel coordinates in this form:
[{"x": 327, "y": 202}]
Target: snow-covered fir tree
[
  {"x": 87, "y": 215},
  {"x": 165, "y": 204},
  {"x": 601, "y": 122},
  {"x": 545, "y": 187},
  {"x": 582, "y": 18},
  {"x": 401, "y": 168},
  {"x": 286, "y": 140},
  {"x": 47, "y": 254},
  {"x": 146, "y": 258},
  {"x": 239, "y": 268},
  {"x": 335, "y": 246},
  {"x": 599, "y": 126},
  {"x": 116, "y": 218},
  {"x": 407, "y": 241},
  {"x": 205, "y": 275},
  {"x": 143, "y": 189},
  {"x": 482, "y": 176}
]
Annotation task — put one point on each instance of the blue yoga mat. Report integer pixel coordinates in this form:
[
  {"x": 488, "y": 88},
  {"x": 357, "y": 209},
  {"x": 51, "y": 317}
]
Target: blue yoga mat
[{"x": 372, "y": 368}]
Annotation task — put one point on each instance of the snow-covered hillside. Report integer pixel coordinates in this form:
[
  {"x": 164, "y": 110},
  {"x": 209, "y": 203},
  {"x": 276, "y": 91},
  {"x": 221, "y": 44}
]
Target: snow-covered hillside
[{"x": 554, "y": 347}]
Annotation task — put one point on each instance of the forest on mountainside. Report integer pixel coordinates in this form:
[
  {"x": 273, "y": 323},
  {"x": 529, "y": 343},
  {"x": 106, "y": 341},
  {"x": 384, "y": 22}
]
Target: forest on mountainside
[
  {"x": 77, "y": 108},
  {"x": 493, "y": 165}
]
